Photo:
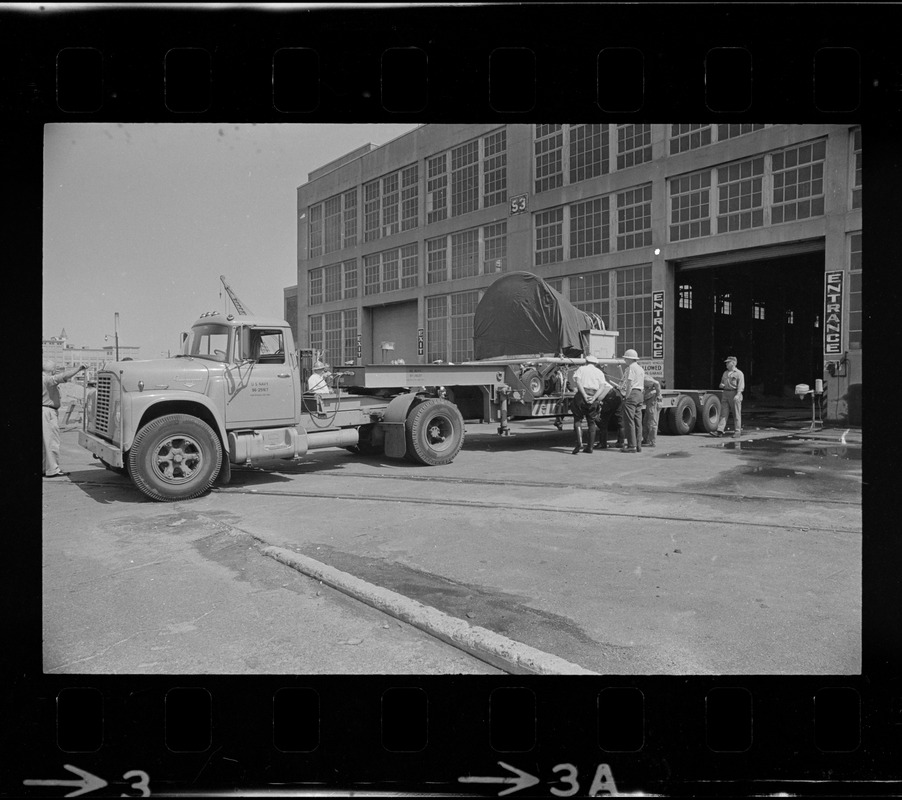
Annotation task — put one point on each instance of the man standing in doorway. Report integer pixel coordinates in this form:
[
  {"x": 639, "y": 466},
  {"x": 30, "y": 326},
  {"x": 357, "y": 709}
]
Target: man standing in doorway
[
  {"x": 50, "y": 427},
  {"x": 733, "y": 384},
  {"x": 631, "y": 387}
]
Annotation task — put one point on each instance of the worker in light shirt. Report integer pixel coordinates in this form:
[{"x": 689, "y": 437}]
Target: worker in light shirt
[
  {"x": 591, "y": 387},
  {"x": 733, "y": 384},
  {"x": 632, "y": 388},
  {"x": 316, "y": 383}
]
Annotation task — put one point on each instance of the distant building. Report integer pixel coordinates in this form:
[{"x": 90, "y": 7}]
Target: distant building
[
  {"x": 694, "y": 241},
  {"x": 67, "y": 355}
]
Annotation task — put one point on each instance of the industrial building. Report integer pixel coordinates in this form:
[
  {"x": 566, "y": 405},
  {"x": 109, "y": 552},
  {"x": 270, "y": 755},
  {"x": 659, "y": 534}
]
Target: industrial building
[{"x": 693, "y": 241}]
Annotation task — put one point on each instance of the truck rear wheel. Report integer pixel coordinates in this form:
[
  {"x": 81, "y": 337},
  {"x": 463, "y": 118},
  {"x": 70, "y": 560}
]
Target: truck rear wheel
[
  {"x": 664, "y": 421},
  {"x": 175, "y": 457},
  {"x": 683, "y": 416},
  {"x": 435, "y": 432},
  {"x": 708, "y": 414}
]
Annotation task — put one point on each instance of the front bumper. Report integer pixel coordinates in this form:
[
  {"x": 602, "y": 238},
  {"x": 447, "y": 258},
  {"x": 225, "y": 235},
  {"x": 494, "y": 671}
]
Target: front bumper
[{"x": 101, "y": 448}]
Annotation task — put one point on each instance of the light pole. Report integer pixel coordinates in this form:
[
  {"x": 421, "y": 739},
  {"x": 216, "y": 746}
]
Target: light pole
[{"x": 116, "y": 329}]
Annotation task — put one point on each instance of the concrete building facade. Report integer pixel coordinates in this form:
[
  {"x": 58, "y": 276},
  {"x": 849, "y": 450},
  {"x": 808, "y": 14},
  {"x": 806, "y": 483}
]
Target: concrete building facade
[
  {"x": 693, "y": 241},
  {"x": 66, "y": 355}
]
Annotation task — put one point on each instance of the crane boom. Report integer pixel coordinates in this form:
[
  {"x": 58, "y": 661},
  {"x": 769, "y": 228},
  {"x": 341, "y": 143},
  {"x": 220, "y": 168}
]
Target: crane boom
[{"x": 240, "y": 307}]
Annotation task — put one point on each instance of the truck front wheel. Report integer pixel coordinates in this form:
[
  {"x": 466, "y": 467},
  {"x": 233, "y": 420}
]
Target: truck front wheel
[
  {"x": 175, "y": 457},
  {"x": 435, "y": 432}
]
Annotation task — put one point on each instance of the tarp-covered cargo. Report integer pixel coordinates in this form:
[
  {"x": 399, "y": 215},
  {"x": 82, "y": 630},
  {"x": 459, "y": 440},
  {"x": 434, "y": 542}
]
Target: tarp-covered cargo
[{"x": 520, "y": 314}]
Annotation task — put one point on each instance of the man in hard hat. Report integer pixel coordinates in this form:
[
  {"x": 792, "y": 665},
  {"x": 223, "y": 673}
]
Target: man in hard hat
[
  {"x": 50, "y": 426},
  {"x": 316, "y": 383},
  {"x": 632, "y": 388},
  {"x": 733, "y": 384}
]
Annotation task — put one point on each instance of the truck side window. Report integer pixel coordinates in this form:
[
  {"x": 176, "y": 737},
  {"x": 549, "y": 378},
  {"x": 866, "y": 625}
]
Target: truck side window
[{"x": 268, "y": 346}]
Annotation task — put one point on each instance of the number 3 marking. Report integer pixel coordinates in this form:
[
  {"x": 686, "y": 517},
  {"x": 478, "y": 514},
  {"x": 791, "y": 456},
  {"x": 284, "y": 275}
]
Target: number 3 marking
[
  {"x": 570, "y": 778},
  {"x": 143, "y": 782}
]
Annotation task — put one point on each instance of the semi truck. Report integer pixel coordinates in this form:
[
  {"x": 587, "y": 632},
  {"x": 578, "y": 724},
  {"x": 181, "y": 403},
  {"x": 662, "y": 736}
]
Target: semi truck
[{"x": 235, "y": 396}]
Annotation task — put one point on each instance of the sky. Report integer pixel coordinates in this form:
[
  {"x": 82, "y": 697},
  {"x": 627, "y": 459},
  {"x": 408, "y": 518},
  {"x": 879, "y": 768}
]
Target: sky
[{"x": 142, "y": 219}]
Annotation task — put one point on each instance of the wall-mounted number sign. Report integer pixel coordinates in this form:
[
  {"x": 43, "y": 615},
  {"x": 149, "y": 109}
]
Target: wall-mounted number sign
[{"x": 518, "y": 204}]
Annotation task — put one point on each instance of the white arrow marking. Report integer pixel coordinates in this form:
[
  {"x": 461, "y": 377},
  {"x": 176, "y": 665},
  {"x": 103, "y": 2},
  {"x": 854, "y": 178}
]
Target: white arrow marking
[
  {"x": 523, "y": 780},
  {"x": 87, "y": 782}
]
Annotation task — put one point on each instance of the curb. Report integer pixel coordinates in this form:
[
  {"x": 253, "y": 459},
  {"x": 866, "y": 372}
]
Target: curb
[{"x": 493, "y": 648}]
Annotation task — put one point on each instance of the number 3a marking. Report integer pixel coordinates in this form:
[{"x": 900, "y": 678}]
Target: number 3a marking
[{"x": 143, "y": 782}]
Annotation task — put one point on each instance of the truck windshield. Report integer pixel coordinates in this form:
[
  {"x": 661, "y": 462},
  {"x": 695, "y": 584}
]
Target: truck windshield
[{"x": 209, "y": 341}]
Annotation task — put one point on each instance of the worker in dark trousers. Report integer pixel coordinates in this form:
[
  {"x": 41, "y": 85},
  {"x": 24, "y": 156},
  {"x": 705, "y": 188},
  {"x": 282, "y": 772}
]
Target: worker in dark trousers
[
  {"x": 590, "y": 386},
  {"x": 632, "y": 387}
]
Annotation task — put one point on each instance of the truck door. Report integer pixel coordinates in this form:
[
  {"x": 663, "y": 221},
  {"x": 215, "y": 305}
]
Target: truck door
[{"x": 260, "y": 381}]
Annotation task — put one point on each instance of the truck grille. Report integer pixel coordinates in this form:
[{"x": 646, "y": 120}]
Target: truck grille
[{"x": 103, "y": 405}]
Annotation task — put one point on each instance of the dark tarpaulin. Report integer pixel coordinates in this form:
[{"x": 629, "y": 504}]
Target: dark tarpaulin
[{"x": 520, "y": 314}]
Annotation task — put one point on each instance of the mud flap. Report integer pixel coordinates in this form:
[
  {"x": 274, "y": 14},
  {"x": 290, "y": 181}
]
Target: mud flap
[{"x": 393, "y": 425}]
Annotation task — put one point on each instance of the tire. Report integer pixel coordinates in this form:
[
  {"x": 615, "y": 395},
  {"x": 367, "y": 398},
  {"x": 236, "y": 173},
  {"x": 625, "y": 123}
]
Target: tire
[
  {"x": 534, "y": 383},
  {"x": 175, "y": 457},
  {"x": 435, "y": 432},
  {"x": 708, "y": 414},
  {"x": 683, "y": 416},
  {"x": 665, "y": 418}
]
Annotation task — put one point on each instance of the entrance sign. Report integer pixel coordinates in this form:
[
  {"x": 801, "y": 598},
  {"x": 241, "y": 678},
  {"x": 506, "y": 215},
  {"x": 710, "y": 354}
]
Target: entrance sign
[
  {"x": 657, "y": 325},
  {"x": 833, "y": 302}
]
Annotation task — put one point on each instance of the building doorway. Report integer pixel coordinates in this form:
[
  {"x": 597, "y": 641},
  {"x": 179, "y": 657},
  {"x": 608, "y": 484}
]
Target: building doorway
[
  {"x": 767, "y": 312},
  {"x": 394, "y": 324}
]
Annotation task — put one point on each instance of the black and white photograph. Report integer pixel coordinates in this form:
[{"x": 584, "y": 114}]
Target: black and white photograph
[{"x": 452, "y": 398}]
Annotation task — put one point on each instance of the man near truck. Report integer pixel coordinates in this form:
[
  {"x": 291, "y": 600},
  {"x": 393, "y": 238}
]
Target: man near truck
[
  {"x": 50, "y": 427},
  {"x": 733, "y": 384},
  {"x": 591, "y": 386},
  {"x": 632, "y": 388}
]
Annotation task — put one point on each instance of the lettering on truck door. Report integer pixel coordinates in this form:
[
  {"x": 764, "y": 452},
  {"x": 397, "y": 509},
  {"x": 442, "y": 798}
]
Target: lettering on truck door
[{"x": 260, "y": 382}]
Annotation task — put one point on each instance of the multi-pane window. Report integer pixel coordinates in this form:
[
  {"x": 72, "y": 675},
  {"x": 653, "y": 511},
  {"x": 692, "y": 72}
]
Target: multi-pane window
[
  {"x": 437, "y": 188},
  {"x": 390, "y": 270},
  {"x": 689, "y": 206},
  {"x": 633, "y": 145},
  {"x": 334, "y": 335},
  {"x": 372, "y": 211},
  {"x": 390, "y": 204},
  {"x": 688, "y": 137},
  {"x": 410, "y": 266},
  {"x": 332, "y": 224},
  {"x": 550, "y": 236},
  {"x": 723, "y": 304},
  {"x": 685, "y": 295},
  {"x": 494, "y": 169},
  {"x": 436, "y": 260},
  {"x": 437, "y": 328},
  {"x": 410, "y": 197},
  {"x": 740, "y": 203},
  {"x": 556, "y": 283},
  {"x": 855, "y": 308},
  {"x": 549, "y": 151},
  {"x": 350, "y": 278},
  {"x": 315, "y": 231},
  {"x": 495, "y": 259},
  {"x": 757, "y": 309},
  {"x": 798, "y": 182},
  {"x": 590, "y": 228},
  {"x": 590, "y": 152},
  {"x": 458, "y": 254},
  {"x": 315, "y": 291},
  {"x": 465, "y": 178},
  {"x": 465, "y": 254},
  {"x": 333, "y": 282},
  {"x": 856, "y": 168},
  {"x": 449, "y": 326},
  {"x": 725, "y": 132},
  {"x": 592, "y": 293},
  {"x": 634, "y": 309},
  {"x": 634, "y": 218},
  {"x": 350, "y": 218}
]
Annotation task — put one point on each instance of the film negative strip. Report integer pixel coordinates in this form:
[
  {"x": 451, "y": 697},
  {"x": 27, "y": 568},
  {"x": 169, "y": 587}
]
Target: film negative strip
[{"x": 269, "y": 668}]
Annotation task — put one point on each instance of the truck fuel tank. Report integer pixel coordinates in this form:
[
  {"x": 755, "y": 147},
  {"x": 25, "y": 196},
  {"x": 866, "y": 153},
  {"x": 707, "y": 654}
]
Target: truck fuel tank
[{"x": 275, "y": 444}]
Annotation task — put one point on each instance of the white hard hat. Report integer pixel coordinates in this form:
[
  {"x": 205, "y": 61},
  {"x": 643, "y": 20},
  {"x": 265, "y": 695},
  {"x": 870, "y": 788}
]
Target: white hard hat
[
  {"x": 319, "y": 365},
  {"x": 631, "y": 354},
  {"x": 591, "y": 360}
]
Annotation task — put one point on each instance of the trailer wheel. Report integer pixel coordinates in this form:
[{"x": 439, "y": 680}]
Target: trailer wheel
[
  {"x": 175, "y": 457},
  {"x": 534, "y": 383},
  {"x": 664, "y": 421},
  {"x": 683, "y": 416},
  {"x": 435, "y": 432},
  {"x": 708, "y": 414}
]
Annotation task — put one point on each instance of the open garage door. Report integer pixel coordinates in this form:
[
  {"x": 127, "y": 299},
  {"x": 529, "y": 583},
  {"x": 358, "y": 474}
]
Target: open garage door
[{"x": 767, "y": 311}]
